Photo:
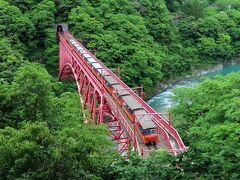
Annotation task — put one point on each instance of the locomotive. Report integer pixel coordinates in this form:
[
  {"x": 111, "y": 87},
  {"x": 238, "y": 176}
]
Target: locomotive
[{"x": 143, "y": 122}]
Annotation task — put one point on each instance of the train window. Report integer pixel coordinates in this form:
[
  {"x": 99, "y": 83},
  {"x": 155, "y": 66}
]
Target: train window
[
  {"x": 150, "y": 131},
  {"x": 153, "y": 131},
  {"x": 141, "y": 129},
  {"x": 147, "y": 132}
]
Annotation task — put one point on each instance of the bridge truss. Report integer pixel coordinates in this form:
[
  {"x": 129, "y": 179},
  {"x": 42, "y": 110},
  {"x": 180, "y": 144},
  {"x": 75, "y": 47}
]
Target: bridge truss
[{"x": 102, "y": 107}]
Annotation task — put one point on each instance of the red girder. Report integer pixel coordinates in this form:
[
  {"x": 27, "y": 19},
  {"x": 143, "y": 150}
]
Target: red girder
[
  {"x": 102, "y": 107},
  {"x": 89, "y": 88}
]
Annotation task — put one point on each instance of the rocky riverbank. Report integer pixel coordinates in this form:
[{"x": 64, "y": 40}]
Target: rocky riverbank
[
  {"x": 162, "y": 86},
  {"x": 161, "y": 102}
]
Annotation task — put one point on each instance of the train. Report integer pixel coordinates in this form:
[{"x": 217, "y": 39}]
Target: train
[{"x": 143, "y": 122}]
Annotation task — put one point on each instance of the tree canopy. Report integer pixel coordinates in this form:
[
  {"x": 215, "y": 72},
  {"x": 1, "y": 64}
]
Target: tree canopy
[{"x": 208, "y": 116}]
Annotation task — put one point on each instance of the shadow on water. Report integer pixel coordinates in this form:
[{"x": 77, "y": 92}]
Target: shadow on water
[{"x": 161, "y": 102}]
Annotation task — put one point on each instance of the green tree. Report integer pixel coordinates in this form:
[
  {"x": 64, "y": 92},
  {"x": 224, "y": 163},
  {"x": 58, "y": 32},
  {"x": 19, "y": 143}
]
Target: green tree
[
  {"x": 207, "y": 47},
  {"x": 207, "y": 116},
  {"x": 234, "y": 31},
  {"x": 31, "y": 99},
  {"x": 162, "y": 165},
  {"x": 10, "y": 60},
  {"x": 173, "y": 5},
  {"x": 194, "y": 8},
  {"x": 84, "y": 26},
  {"x": 42, "y": 16},
  {"x": 224, "y": 48},
  {"x": 15, "y": 25},
  {"x": 33, "y": 152},
  {"x": 24, "y": 5},
  {"x": 50, "y": 55},
  {"x": 27, "y": 152},
  {"x": 158, "y": 20},
  {"x": 63, "y": 8},
  {"x": 123, "y": 43},
  {"x": 224, "y": 5}
]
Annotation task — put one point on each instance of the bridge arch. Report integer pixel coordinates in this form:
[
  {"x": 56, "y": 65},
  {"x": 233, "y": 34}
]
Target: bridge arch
[
  {"x": 91, "y": 98},
  {"x": 77, "y": 62}
]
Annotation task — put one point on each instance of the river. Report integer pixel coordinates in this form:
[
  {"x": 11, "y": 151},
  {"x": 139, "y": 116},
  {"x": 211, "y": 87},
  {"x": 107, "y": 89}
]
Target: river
[{"x": 162, "y": 102}]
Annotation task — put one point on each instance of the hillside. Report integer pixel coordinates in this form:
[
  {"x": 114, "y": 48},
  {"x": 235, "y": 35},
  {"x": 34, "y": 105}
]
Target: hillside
[{"x": 42, "y": 134}]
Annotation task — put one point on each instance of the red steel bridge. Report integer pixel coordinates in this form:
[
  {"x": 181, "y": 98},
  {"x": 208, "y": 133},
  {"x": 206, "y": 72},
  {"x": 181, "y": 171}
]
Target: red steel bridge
[{"x": 91, "y": 77}]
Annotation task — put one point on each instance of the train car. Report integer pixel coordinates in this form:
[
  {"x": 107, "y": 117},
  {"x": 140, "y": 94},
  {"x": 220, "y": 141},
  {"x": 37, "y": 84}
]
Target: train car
[
  {"x": 90, "y": 61},
  {"x": 118, "y": 93},
  {"x": 144, "y": 123},
  {"x": 129, "y": 105},
  {"x": 99, "y": 71},
  {"x": 146, "y": 127},
  {"x": 109, "y": 82},
  {"x": 96, "y": 67}
]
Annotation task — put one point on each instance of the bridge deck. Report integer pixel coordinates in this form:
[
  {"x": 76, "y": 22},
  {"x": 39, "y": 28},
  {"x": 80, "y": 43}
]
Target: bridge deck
[
  {"x": 143, "y": 147},
  {"x": 73, "y": 55}
]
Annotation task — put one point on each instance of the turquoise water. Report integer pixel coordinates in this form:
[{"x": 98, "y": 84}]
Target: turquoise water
[{"x": 161, "y": 102}]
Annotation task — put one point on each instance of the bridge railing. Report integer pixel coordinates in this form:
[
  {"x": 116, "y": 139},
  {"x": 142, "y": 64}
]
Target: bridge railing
[
  {"x": 123, "y": 121},
  {"x": 160, "y": 121},
  {"x": 99, "y": 85},
  {"x": 86, "y": 71}
]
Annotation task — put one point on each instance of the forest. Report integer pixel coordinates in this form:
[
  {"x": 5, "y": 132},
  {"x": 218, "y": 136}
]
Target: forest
[{"x": 42, "y": 132}]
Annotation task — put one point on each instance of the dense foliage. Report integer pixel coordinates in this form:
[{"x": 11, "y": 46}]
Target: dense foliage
[
  {"x": 151, "y": 41},
  {"x": 208, "y": 117},
  {"x": 42, "y": 134}
]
